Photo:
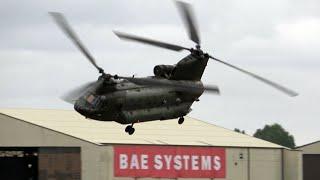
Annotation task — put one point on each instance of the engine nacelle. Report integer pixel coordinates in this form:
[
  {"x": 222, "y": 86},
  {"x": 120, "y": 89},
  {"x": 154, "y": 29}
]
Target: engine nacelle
[{"x": 163, "y": 70}]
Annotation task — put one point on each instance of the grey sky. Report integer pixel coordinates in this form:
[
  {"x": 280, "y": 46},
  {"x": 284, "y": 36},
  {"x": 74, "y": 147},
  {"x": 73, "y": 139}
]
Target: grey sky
[{"x": 278, "y": 39}]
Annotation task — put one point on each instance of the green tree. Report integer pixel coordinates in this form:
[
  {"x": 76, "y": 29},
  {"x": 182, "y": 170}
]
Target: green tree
[
  {"x": 239, "y": 131},
  {"x": 277, "y": 134}
]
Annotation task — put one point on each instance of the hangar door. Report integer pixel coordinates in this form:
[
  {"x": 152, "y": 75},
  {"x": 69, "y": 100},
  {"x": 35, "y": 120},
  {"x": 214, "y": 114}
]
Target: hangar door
[
  {"x": 18, "y": 163},
  {"x": 62, "y": 163},
  {"x": 311, "y": 163},
  {"x": 33, "y": 163}
]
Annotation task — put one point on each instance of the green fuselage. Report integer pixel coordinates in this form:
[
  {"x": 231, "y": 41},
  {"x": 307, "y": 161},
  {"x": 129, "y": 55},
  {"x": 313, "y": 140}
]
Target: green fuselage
[
  {"x": 127, "y": 102},
  {"x": 131, "y": 103}
]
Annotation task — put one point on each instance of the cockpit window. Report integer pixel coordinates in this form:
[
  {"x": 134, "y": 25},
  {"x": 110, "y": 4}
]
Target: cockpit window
[
  {"x": 93, "y": 100},
  {"x": 90, "y": 98}
]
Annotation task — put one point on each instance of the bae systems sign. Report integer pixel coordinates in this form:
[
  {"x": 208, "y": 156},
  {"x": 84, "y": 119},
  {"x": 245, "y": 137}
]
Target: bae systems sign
[{"x": 169, "y": 162}]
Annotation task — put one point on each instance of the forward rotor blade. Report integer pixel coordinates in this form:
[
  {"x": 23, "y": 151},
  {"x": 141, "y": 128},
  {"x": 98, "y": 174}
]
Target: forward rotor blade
[
  {"x": 76, "y": 93},
  {"x": 125, "y": 36},
  {"x": 189, "y": 20},
  {"x": 179, "y": 85},
  {"x": 66, "y": 28},
  {"x": 273, "y": 84}
]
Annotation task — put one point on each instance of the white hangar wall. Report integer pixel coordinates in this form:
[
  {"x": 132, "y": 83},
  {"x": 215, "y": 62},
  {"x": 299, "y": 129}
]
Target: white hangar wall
[
  {"x": 268, "y": 162},
  {"x": 256, "y": 164},
  {"x": 16, "y": 133},
  {"x": 293, "y": 164}
]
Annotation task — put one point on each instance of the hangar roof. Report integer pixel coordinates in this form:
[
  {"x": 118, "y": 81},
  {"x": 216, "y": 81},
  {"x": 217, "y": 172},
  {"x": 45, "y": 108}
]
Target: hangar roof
[
  {"x": 169, "y": 132},
  {"x": 311, "y": 148},
  {"x": 309, "y": 144}
]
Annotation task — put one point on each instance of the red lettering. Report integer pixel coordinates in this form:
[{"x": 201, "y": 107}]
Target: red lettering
[{"x": 169, "y": 162}]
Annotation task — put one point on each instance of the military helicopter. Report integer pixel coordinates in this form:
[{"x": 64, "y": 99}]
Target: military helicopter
[{"x": 169, "y": 94}]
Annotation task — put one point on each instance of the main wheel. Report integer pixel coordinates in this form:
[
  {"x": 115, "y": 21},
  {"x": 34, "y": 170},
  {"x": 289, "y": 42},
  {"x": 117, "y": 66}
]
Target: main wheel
[
  {"x": 181, "y": 120},
  {"x": 131, "y": 131},
  {"x": 128, "y": 128}
]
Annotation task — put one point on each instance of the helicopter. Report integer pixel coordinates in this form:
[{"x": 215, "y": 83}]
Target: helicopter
[{"x": 168, "y": 94}]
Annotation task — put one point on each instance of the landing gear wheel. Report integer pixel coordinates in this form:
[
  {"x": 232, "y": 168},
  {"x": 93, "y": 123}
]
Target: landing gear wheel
[
  {"x": 181, "y": 120},
  {"x": 129, "y": 129}
]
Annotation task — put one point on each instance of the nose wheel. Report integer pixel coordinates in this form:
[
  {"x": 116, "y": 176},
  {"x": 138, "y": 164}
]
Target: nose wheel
[
  {"x": 129, "y": 129},
  {"x": 181, "y": 120}
]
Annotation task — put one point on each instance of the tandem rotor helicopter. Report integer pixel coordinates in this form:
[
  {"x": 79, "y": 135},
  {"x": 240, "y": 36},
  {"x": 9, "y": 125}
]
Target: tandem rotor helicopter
[{"x": 169, "y": 94}]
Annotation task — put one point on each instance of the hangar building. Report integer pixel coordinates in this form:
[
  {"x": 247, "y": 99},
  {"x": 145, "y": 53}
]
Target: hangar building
[
  {"x": 62, "y": 145},
  {"x": 311, "y": 160}
]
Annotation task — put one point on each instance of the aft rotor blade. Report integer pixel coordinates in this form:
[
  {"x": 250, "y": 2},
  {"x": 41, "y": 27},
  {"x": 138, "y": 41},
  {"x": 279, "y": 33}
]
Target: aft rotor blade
[
  {"x": 76, "y": 93},
  {"x": 179, "y": 85},
  {"x": 211, "y": 89},
  {"x": 66, "y": 28},
  {"x": 130, "y": 37},
  {"x": 189, "y": 20},
  {"x": 273, "y": 84}
]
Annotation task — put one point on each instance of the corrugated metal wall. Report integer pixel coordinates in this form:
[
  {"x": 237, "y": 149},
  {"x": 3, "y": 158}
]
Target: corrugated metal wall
[
  {"x": 59, "y": 163},
  {"x": 246, "y": 164}
]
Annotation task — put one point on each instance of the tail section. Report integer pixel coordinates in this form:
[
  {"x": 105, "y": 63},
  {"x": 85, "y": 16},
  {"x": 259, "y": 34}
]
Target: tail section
[{"x": 190, "y": 68}]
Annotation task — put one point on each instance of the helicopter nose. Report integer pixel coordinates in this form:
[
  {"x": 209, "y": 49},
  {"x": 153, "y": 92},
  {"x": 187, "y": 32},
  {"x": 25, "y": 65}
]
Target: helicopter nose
[
  {"x": 84, "y": 109},
  {"x": 78, "y": 108}
]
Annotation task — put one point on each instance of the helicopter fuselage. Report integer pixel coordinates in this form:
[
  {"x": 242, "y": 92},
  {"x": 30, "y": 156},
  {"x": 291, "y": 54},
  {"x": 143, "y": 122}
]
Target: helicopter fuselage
[{"x": 126, "y": 102}]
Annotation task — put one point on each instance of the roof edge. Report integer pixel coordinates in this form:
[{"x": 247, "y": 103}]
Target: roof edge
[
  {"x": 98, "y": 144},
  {"x": 307, "y": 144},
  {"x": 279, "y": 146}
]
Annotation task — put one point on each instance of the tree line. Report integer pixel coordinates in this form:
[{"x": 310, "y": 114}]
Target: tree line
[{"x": 274, "y": 133}]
